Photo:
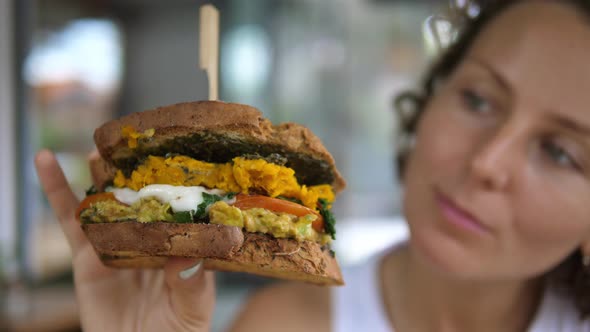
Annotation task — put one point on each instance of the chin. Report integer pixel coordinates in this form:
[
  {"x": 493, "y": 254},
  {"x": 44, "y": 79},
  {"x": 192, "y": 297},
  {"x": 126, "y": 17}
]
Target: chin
[{"x": 442, "y": 253}]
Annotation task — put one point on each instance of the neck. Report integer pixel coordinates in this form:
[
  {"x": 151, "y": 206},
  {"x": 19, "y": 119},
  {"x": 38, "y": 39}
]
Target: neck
[{"x": 419, "y": 299}]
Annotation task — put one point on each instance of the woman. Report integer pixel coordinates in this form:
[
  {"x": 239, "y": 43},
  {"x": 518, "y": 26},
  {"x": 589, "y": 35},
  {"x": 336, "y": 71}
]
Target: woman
[{"x": 497, "y": 181}]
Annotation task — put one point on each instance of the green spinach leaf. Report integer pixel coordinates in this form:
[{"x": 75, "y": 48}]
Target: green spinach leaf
[
  {"x": 329, "y": 221},
  {"x": 183, "y": 217}
]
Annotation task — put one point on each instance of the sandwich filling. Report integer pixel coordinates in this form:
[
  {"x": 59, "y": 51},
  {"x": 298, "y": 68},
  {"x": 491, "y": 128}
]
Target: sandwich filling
[{"x": 248, "y": 192}]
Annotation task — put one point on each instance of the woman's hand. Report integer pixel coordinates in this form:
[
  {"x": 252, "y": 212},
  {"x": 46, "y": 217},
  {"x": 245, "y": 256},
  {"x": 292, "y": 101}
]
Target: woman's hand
[{"x": 179, "y": 298}]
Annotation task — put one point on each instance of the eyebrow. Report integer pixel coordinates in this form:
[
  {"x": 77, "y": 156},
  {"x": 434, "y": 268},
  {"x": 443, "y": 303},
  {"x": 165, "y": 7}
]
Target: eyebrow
[
  {"x": 571, "y": 124},
  {"x": 492, "y": 71},
  {"x": 559, "y": 119}
]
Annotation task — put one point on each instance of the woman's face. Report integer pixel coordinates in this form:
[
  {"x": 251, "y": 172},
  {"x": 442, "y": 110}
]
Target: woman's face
[{"x": 498, "y": 184}]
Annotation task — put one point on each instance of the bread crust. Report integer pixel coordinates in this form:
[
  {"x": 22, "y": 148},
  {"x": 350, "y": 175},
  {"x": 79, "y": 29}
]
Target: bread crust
[
  {"x": 284, "y": 259},
  {"x": 182, "y": 119},
  {"x": 234, "y": 120},
  {"x": 224, "y": 248}
]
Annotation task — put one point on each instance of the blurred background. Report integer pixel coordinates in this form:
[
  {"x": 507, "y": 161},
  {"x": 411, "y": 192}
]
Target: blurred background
[{"x": 68, "y": 66}]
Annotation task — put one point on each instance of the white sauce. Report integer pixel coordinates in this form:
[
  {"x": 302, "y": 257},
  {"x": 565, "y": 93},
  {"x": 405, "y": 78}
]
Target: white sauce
[{"x": 180, "y": 198}]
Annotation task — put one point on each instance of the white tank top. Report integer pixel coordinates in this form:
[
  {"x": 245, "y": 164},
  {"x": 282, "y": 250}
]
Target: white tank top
[{"x": 358, "y": 305}]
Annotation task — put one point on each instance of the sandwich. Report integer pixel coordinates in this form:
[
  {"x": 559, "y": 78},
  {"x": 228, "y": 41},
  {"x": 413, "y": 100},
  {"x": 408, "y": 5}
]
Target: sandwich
[{"x": 215, "y": 181}]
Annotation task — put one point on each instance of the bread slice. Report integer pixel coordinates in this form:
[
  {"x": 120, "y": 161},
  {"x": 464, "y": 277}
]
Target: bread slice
[
  {"x": 224, "y": 248},
  {"x": 215, "y": 131},
  {"x": 164, "y": 238}
]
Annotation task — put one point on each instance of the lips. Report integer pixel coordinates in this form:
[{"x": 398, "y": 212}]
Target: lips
[{"x": 458, "y": 216}]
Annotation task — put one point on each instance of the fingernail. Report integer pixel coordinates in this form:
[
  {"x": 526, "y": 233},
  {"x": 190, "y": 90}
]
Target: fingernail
[
  {"x": 43, "y": 157},
  {"x": 188, "y": 273}
]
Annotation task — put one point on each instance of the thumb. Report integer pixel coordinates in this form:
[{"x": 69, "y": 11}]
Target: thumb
[{"x": 191, "y": 291}]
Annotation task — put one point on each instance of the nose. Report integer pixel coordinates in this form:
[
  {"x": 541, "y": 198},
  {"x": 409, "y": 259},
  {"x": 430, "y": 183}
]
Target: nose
[{"x": 490, "y": 164}]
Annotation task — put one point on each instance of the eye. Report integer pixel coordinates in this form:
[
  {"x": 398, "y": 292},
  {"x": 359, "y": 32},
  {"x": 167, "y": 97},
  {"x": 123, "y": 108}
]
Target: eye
[
  {"x": 475, "y": 102},
  {"x": 558, "y": 155}
]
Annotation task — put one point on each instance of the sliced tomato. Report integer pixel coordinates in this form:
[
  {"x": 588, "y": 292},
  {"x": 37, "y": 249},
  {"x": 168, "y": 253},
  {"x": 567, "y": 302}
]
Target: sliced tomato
[
  {"x": 85, "y": 204},
  {"x": 244, "y": 202}
]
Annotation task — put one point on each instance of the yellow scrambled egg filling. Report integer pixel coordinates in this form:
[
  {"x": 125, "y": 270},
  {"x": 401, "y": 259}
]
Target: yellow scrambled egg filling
[
  {"x": 131, "y": 135},
  {"x": 240, "y": 175}
]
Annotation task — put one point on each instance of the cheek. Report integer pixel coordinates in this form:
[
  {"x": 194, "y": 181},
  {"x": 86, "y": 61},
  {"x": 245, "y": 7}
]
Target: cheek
[
  {"x": 441, "y": 155},
  {"x": 551, "y": 218},
  {"x": 443, "y": 141},
  {"x": 430, "y": 159},
  {"x": 443, "y": 145}
]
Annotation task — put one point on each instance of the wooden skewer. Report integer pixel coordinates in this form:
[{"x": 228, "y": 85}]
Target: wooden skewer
[{"x": 209, "y": 46}]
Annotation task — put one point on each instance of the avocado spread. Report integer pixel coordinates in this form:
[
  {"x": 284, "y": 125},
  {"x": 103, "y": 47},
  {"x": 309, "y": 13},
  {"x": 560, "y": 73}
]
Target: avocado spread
[
  {"x": 145, "y": 210},
  {"x": 258, "y": 220}
]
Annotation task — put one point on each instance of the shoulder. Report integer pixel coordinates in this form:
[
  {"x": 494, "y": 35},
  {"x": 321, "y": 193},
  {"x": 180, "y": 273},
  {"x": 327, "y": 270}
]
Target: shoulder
[{"x": 286, "y": 307}]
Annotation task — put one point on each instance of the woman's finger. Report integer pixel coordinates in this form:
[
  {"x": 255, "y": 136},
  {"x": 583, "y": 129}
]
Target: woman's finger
[
  {"x": 93, "y": 155},
  {"x": 192, "y": 291},
  {"x": 60, "y": 196}
]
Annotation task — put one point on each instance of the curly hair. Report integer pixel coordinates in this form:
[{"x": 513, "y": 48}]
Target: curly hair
[{"x": 570, "y": 276}]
